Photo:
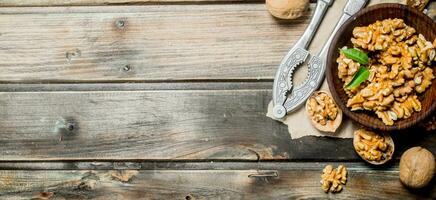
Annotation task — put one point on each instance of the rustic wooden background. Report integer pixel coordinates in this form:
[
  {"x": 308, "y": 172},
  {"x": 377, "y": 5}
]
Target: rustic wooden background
[{"x": 164, "y": 99}]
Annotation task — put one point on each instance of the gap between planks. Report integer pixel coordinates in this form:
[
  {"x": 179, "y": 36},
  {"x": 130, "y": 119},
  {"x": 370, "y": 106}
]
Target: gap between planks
[{"x": 190, "y": 165}]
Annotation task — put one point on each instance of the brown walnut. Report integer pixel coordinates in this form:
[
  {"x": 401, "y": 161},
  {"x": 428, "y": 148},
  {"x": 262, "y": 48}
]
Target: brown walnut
[
  {"x": 287, "y": 9},
  {"x": 417, "y": 167}
]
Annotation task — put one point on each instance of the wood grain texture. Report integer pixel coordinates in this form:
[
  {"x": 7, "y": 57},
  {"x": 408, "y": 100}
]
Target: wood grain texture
[
  {"x": 14, "y": 3},
  {"x": 197, "y": 85},
  {"x": 18, "y": 3},
  {"x": 423, "y": 24},
  {"x": 363, "y": 183},
  {"x": 160, "y": 125},
  {"x": 143, "y": 43},
  {"x": 140, "y": 125}
]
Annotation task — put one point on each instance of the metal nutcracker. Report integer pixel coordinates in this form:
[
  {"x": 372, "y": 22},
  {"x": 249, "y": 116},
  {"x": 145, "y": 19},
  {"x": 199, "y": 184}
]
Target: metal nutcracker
[{"x": 285, "y": 98}]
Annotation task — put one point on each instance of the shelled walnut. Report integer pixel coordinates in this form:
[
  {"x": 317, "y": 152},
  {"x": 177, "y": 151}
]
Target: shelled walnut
[
  {"x": 400, "y": 110},
  {"x": 418, "y": 4},
  {"x": 346, "y": 68},
  {"x": 400, "y": 66},
  {"x": 323, "y": 112},
  {"x": 332, "y": 180},
  {"x": 373, "y": 148}
]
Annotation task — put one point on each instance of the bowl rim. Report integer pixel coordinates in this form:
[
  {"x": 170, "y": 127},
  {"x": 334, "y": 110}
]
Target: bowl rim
[{"x": 346, "y": 111}]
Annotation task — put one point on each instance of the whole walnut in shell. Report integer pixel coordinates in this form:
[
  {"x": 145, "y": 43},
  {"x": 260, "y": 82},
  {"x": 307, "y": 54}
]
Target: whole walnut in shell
[
  {"x": 417, "y": 167},
  {"x": 287, "y": 9}
]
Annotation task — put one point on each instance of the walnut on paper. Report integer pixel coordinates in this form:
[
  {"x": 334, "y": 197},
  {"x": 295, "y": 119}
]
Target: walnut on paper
[{"x": 323, "y": 112}]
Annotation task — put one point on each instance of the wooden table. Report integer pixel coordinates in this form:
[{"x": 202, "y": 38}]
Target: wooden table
[{"x": 161, "y": 99}]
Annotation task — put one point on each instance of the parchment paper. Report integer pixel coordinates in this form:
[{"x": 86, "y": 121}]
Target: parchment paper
[{"x": 298, "y": 122}]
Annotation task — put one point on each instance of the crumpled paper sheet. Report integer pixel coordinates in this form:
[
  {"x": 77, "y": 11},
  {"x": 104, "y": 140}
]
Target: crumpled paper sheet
[{"x": 298, "y": 122}]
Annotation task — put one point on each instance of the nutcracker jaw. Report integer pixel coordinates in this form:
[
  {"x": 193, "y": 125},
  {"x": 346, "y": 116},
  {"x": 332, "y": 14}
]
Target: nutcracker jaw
[{"x": 295, "y": 57}]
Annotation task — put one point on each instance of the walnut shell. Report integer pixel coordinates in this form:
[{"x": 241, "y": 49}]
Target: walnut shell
[
  {"x": 387, "y": 155},
  {"x": 331, "y": 125},
  {"x": 287, "y": 9},
  {"x": 417, "y": 167}
]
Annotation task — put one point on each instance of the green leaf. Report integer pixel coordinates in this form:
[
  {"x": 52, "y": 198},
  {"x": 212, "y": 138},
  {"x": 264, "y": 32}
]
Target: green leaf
[
  {"x": 361, "y": 75},
  {"x": 356, "y": 55}
]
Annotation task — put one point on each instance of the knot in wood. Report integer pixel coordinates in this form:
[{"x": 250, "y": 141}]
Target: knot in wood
[
  {"x": 69, "y": 55},
  {"x": 63, "y": 125},
  {"x": 70, "y": 126},
  {"x": 120, "y": 23}
]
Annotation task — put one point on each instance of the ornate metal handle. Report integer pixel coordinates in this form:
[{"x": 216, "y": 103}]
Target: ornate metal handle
[
  {"x": 318, "y": 15},
  {"x": 296, "y": 56},
  {"x": 316, "y": 63},
  {"x": 351, "y": 8}
]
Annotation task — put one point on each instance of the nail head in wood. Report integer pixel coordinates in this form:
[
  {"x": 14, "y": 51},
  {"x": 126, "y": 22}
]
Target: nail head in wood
[{"x": 127, "y": 68}]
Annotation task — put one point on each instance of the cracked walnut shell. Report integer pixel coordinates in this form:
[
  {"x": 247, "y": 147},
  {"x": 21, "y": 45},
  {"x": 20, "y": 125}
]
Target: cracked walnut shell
[
  {"x": 374, "y": 148},
  {"x": 323, "y": 112},
  {"x": 332, "y": 180}
]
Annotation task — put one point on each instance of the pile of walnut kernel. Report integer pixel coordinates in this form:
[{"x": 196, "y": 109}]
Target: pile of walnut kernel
[
  {"x": 332, "y": 180},
  {"x": 322, "y": 108},
  {"x": 371, "y": 146},
  {"x": 400, "y": 68}
]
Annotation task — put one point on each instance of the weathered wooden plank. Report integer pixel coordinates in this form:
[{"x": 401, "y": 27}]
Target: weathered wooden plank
[
  {"x": 14, "y": 3},
  {"x": 105, "y": 2},
  {"x": 227, "y": 85},
  {"x": 143, "y": 43},
  {"x": 109, "y": 2},
  {"x": 161, "y": 125},
  {"x": 201, "y": 184},
  {"x": 220, "y": 124}
]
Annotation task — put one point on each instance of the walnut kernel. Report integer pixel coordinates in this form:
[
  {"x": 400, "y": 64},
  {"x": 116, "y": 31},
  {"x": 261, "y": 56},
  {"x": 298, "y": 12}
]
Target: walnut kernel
[
  {"x": 372, "y": 147},
  {"x": 324, "y": 114},
  {"x": 400, "y": 67},
  {"x": 332, "y": 180}
]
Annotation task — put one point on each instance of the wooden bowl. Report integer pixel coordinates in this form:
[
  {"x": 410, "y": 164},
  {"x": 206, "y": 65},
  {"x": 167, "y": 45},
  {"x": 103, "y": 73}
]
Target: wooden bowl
[{"x": 422, "y": 23}]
